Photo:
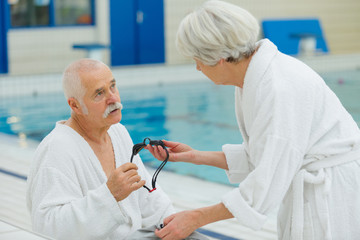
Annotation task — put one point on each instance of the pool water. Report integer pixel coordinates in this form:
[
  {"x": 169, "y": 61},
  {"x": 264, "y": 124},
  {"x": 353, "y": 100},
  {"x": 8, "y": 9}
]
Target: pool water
[{"x": 199, "y": 114}]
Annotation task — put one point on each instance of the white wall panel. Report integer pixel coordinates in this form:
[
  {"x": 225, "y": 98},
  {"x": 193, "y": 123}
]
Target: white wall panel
[
  {"x": 49, "y": 50},
  {"x": 45, "y": 50}
]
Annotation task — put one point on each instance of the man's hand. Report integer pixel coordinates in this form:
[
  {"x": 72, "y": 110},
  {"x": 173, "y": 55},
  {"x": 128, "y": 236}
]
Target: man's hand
[{"x": 124, "y": 180}]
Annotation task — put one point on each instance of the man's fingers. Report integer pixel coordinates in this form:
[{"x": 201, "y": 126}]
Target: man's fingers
[
  {"x": 127, "y": 166},
  {"x": 130, "y": 173},
  {"x": 137, "y": 185},
  {"x": 134, "y": 178}
]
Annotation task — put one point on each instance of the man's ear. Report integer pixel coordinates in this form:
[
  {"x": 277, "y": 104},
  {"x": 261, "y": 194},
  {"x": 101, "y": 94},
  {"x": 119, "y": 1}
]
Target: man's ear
[{"x": 75, "y": 105}]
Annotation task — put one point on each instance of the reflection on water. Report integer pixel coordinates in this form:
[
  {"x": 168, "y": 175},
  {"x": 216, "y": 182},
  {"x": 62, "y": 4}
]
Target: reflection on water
[
  {"x": 198, "y": 114},
  {"x": 346, "y": 86}
]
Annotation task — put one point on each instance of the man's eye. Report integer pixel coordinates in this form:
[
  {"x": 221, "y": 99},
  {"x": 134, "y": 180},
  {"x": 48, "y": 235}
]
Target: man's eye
[{"x": 99, "y": 94}]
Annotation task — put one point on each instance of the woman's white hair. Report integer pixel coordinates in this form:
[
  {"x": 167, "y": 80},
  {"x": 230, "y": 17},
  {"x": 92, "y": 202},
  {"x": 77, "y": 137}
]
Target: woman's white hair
[
  {"x": 72, "y": 82},
  {"x": 217, "y": 30}
]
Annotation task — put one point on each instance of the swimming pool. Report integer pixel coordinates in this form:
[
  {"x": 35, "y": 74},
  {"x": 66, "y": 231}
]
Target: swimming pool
[{"x": 200, "y": 114}]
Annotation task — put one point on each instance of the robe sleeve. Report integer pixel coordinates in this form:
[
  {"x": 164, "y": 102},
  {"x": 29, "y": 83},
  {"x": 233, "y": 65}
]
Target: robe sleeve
[
  {"x": 265, "y": 186},
  {"x": 278, "y": 133},
  {"x": 61, "y": 211},
  {"x": 238, "y": 162}
]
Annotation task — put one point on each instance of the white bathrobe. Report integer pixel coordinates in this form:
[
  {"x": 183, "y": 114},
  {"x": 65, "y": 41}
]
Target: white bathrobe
[
  {"x": 300, "y": 151},
  {"x": 67, "y": 193}
]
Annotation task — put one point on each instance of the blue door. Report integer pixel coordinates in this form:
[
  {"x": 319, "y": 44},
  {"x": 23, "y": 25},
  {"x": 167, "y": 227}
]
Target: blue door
[
  {"x": 3, "y": 36},
  {"x": 136, "y": 32},
  {"x": 150, "y": 26}
]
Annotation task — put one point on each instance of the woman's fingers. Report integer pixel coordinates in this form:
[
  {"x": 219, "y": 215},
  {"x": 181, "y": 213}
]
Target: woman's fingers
[
  {"x": 157, "y": 151},
  {"x": 170, "y": 144}
]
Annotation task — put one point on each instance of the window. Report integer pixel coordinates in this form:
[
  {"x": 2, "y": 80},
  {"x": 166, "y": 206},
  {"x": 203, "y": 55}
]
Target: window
[
  {"x": 70, "y": 12},
  {"x": 37, "y": 13},
  {"x": 26, "y": 13}
]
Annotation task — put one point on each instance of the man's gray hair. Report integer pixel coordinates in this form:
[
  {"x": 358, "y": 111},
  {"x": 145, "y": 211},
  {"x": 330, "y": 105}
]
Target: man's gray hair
[
  {"x": 218, "y": 30},
  {"x": 72, "y": 82}
]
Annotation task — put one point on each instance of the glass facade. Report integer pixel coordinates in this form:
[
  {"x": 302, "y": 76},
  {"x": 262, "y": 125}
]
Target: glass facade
[
  {"x": 37, "y": 13},
  {"x": 70, "y": 12},
  {"x": 28, "y": 13}
]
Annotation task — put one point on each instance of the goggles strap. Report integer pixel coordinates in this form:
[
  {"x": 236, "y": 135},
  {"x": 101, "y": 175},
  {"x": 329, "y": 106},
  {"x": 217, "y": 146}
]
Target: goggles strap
[{"x": 139, "y": 146}]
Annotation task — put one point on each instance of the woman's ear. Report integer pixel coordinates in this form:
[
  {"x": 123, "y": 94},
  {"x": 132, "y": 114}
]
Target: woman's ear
[{"x": 222, "y": 61}]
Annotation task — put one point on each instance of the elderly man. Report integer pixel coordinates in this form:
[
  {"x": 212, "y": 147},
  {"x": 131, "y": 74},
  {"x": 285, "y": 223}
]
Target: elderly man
[{"x": 81, "y": 184}]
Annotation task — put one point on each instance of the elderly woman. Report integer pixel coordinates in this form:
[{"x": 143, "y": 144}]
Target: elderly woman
[{"x": 300, "y": 150}]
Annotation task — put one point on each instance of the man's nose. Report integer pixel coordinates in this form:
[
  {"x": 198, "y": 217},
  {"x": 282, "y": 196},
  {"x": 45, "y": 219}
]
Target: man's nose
[{"x": 112, "y": 97}]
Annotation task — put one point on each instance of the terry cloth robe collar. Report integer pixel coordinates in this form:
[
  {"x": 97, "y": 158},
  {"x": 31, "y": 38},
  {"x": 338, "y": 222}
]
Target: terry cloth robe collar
[
  {"x": 258, "y": 65},
  {"x": 267, "y": 51}
]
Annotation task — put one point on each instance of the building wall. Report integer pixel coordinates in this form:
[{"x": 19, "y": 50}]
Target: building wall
[
  {"x": 44, "y": 50},
  {"x": 49, "y": 50},
  {"x": 340, "y": 20}
]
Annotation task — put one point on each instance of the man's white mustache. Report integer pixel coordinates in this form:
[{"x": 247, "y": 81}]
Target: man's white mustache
[{"x": 111, "y": 108}]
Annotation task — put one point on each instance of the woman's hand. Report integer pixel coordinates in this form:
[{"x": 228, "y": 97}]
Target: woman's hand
[
  {"x": 178, "y": 152},
  {"x": 179, "y": 225}
]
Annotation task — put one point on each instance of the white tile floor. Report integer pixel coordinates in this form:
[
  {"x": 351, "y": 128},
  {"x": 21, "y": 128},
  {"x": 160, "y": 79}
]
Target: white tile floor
[{"x": 11, "y": 232}]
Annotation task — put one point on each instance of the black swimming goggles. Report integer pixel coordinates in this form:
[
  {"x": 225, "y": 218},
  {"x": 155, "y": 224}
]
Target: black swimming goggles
[{"x": 139, "y": 146}]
